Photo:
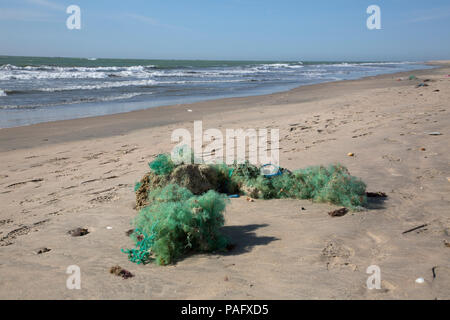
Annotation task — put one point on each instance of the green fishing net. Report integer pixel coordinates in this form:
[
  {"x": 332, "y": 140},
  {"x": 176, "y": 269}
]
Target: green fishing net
[
  {"x": 162, "y": 165},
  {"x": 181, "y": 205},
  {"x": 177, "y": 221}
]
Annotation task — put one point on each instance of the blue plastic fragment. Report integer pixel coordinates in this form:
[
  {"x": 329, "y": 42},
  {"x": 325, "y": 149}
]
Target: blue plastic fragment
[{"x": 269, "y": 175}]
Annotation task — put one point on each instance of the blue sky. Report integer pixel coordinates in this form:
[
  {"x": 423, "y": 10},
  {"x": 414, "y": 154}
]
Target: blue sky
[{"x": 228, "y": 29}]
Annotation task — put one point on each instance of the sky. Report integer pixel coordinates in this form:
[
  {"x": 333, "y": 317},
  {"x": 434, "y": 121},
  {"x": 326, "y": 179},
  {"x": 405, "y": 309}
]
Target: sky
[{"x": 294, "y": 30}]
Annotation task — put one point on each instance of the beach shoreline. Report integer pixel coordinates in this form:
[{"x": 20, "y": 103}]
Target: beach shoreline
[
  {"x": 61, "y": 131},
  {"x": 58, "y": 176}
]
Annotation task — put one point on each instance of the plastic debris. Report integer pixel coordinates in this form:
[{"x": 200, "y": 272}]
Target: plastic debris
[
  {"x": 270, "y": 170},
  {"x": 420, "y": 280},
  {"x": 175, "y": 222},
  {"x": 181, "y": 205},
  {"x": 162, "y": 165},
  {"x": 350, "y": 154},
  {"x": 434, "y": 133},
  {"x": 109, "y": 228},
  {"x": 140, "y": 254},
  {"x": 332, "y": 184}
]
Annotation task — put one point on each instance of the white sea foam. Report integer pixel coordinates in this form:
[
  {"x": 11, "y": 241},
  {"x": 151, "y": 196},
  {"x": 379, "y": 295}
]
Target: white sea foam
[
  {"x": 2, "y": 93},
  {"x": 11, "y": 72},
  {"x": 367, "y": 64},
  {"x": 104, "y": 85},
  {"x": 124, "y": 96},
  {"x": 281, "y": 66}
]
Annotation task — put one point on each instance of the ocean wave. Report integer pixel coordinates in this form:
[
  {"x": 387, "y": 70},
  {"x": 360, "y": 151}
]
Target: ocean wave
[
  {"x": 367, "y": 64},
  {"x": 315, "y": 74},
  {"x": 82, "y": 69},
  {"x": 12, "y": 72},
  {"x": 51, "y": 75},
  {"x": 82, "y": 100},
  {"x": 384, "y": 63},
  {"x": 137, "y": 83},
  {"x": 103, "y": 85},
  {"x": 280, "y": 66}
]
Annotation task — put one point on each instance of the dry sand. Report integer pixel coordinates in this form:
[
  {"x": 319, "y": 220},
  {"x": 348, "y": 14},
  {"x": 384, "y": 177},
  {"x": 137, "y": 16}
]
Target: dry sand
[{"x": 57, "y": 176}]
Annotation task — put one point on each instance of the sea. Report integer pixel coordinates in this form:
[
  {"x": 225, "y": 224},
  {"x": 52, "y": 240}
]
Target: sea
[{"x": 40, "y": 89}]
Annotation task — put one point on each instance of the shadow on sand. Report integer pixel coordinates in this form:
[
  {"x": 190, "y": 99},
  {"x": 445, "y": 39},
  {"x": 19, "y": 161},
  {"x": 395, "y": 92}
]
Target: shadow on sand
[
  {"x": 376, "y": 203},
  {"x": 243, "y": 238}
]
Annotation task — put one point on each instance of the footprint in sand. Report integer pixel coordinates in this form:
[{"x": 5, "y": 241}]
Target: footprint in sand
[
  {"x": 21, "y": 183},
  {"x": 336, "y": 254},
  {"x": 7, "y": 240},
  {"x": 394, "y": 172},
  {"x": 378, "y": 239}
]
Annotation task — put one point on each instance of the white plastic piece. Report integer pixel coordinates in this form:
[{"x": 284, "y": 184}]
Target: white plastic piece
[{"x": 420, "y": 280}]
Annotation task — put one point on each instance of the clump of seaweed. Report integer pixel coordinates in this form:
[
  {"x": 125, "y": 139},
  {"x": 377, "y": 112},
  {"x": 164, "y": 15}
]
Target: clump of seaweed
[{"x": 181, "y": 204}]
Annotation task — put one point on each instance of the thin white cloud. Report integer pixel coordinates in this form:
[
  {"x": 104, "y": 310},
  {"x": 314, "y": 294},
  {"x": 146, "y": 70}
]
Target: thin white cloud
[
  {"x": 151, "y": 21},
  {"x": 432, "y": 14},
  {"x": 430, "y": 18},
  {"x": 143, "y": 19},
  {"x": 19, "y": 14},
  {"x": 48, "y": 4}
]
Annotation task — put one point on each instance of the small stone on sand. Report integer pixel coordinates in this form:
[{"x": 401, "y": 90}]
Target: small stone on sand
[
  {"x": 338, "y": 213},
  {"x": 78, "y": 232},
  {"x": 41, "y": 250}
]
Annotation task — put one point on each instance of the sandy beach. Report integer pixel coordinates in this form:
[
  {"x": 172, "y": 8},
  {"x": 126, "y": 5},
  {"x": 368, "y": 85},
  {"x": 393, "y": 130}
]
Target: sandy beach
[{"x": 61, "y": 175}]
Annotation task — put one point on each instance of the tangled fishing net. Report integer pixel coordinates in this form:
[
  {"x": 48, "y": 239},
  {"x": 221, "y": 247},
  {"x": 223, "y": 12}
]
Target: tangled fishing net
[{"x": 181, "y": 204}]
